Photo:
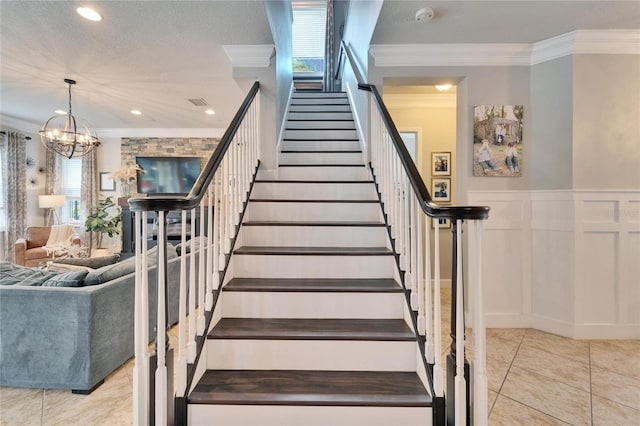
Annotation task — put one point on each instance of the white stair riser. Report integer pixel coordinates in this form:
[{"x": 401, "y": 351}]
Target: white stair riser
[
  {"x": 294, "y": 145},
  {"x": 320, "y": 158},
  {"x": 324, "y": 124},
  {"x": 282, "y": 415},
  {"x": 314, "y": 191},
  {"x": 309, "y": 305},
  {"x": 313, "y": 236},
  {"x": 320, "y": 115},
  {"x": 296, "y": 266},
  {"x": 320, "y": 101},
  {"x": 332, "y": 355},
  {"x": 320, "y": 134},
  {"x": 315, "y": 212},
  {"x": 321, "y": 173},
  {"x": 320, "y": 108}
]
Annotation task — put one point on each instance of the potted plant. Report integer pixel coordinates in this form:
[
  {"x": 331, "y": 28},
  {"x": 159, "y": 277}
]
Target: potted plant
[{"x": 101, "y": 222}]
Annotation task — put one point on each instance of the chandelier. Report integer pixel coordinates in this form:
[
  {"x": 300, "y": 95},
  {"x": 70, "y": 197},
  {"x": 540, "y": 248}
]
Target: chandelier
[{"x": 67, "y": 135}]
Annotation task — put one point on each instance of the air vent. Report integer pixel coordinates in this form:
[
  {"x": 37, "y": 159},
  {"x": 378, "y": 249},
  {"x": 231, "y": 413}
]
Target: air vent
[{"x": 198, "y": 102}]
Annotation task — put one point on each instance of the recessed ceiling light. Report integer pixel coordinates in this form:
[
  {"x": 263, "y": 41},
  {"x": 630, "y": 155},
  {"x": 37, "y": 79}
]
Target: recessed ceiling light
[
  {"x": 59, "y": 111},
  {"x": 136, "y": 112},
  {"x": 443, "y": 87},
  {"x": 210, "y": 112},
  {"x": 88, "y": 13}
]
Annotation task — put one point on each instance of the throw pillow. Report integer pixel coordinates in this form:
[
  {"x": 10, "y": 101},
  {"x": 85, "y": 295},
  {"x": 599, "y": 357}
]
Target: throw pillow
[
  {"x": 197, "y": 242},
  {"x": 20, "y": 275},
  {"x": 63, "y": 267},
  {"x": 69, "y": 279},
  {"x": 91, "y": 262}
]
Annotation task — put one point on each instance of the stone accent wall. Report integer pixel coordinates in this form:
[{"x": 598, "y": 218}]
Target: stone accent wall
[{"x": 165, "y": 147}]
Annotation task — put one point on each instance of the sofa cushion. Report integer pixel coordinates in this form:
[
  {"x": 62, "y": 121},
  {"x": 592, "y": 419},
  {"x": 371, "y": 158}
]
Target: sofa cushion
[
  {"x": 68, "y": 279},
  {"x": 91, "y": 262},
  {"x": 126, "y": 267},
  {"x": 36, "y": 253},
  {"x": 11, "y": 274}
]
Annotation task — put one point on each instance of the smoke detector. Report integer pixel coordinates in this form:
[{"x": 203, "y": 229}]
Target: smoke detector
[{"x": 425, "y": 14}]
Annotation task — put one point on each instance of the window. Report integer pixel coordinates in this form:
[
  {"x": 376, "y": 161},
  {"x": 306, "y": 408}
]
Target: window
[
  {"x": 309, "y": 25},
  {"x": 71, "y": 184}
]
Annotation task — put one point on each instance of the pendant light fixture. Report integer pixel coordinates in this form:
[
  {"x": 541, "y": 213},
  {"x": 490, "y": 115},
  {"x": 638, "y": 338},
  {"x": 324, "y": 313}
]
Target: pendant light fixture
[{"x": 67, "y": 135}]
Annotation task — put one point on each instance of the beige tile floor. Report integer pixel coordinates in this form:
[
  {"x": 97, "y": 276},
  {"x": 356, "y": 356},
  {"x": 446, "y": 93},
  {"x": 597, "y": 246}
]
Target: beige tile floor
[{"x": 534, "y": 378}]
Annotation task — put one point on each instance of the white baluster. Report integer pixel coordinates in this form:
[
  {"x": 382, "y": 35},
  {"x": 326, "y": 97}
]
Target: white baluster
[
  {"x": 438, "y": 372},
  {"x": 161, "y": 369},
  {"x": 416, "y": 255},
  {"x": 201, "y": 269},
  {"x": 181, "y": 372},
  {"x": 428, "y": 302},
  {"x": 209, "y": 293},
  {"x": 141, "y": 366},
  {"x": 215, "y": 243},
  {"x": 191, "y": 346},
  {"x": 460, "y": 382},
  {"x": 479, "y": 338},
  {"x": 227, "y": 204}
]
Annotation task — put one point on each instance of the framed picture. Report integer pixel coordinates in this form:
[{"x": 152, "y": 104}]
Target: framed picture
[
  {"x": 107, "y": 183},
  {"x": 497, "y": 140},
  {"x": 440, "y": 164},
  {"x": 443, "y": 223},
  {"x": 441, "y": 190}
]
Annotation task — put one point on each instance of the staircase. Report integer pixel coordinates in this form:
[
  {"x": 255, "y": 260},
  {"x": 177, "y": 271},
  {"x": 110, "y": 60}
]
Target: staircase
[{"x": 313, "y": 328}]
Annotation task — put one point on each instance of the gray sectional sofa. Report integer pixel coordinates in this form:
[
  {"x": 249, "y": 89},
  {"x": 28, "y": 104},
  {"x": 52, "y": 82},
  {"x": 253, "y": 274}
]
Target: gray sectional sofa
[{"x": 73, "y": 337}]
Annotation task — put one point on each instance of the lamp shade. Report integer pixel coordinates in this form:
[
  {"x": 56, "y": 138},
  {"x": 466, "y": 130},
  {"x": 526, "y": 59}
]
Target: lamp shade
[{"x": 50, "y": 201}]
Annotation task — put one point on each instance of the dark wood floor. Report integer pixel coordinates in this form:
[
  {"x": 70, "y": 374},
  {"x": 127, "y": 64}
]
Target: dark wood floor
[
  {"x": 312, "y": 329},
  {"x": 381, "y": 285},
  {"x": 289, "y": 387}
]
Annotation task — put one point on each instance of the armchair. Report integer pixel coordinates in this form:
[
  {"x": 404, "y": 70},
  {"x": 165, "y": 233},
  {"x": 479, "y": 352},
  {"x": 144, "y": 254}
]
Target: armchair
[{"x": 31, "y": 251}]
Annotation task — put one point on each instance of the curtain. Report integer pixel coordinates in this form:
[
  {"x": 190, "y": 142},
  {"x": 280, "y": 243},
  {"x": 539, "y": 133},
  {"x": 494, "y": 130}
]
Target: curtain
[
  {"x": 52, "y": 184},
  {"x": 329, "y": 59},
  {"x": 14, "y": 184},
  {"x": 89, "y": 190}
]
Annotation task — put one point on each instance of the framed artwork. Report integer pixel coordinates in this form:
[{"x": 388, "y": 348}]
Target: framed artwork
[
  {"x": 444, "y": 223},
  {"x": 107, "y": 184},
  {"x": 441, "y": 190},
  {"x": 440, "y": 164},
  {"x": 497, "y": 140}
]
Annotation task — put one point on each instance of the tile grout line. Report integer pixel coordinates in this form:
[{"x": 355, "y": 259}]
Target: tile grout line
[
  {"x": 536, "y": 409},
  {"x": 507, "y": 374},
  {"x": 590, "y": 387}
]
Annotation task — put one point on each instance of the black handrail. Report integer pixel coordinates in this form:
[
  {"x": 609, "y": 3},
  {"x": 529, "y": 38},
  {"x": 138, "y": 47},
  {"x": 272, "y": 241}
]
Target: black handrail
[
  {"x": 199, "y": 189},
  {"x": 426, "y": 202}
]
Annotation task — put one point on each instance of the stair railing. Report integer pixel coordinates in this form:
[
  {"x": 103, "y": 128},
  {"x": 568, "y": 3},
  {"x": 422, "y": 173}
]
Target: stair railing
[
  {"x": 410, "y": 214},
  {"x": 219, "y": 195}
]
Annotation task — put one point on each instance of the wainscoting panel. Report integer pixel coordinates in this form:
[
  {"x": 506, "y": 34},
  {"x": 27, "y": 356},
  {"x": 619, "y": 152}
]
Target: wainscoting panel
[
  {"x": 607, "y": 256},
  {"x": 506, "y": 256},
  {"x": 566, "y": 262}
]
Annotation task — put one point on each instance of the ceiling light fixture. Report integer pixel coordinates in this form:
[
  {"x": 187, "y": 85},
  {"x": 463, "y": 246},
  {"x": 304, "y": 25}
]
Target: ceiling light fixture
[
  {"x": 443, "y": 87},
  {"x": 136, "y": 112},
  {"x": 67, "y": 135},
  {"x": 60, "y": 111},
  {"x": 210, "y": 112},
  {"x": 88, "y": 13}
]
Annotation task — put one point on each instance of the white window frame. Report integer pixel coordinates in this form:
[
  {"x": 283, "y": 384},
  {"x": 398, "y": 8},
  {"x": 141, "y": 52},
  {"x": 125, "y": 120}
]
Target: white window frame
[{"x": 71, "y": 188}]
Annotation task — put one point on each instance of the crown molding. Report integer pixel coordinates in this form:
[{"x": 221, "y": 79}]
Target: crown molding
[
  {"x": 20, "y": 125},
  {"x": 250, "y": 55},
  {"x": 580, "y": 42}
]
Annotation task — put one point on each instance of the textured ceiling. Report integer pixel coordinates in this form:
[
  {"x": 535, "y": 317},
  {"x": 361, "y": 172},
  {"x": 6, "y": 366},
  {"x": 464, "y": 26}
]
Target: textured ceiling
[
  {"x": 147, "y": 55},
  {"x": 499, "y": 21},
  {"x": 154, "y": 55}
]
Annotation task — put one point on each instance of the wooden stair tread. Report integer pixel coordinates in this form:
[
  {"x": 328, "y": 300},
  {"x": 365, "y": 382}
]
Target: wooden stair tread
[
  {"x": 312, "y": 329},
  {"x": 377, "y": 285},
  {"x": 315, "y": 388},
  {"x": 314, "y": 251},
  {"x": 324, "y": 223}
]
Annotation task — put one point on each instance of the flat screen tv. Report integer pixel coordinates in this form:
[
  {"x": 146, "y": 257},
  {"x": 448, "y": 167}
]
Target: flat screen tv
[{"x": 167, "y": 175}]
